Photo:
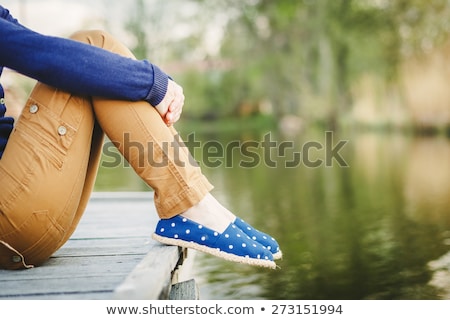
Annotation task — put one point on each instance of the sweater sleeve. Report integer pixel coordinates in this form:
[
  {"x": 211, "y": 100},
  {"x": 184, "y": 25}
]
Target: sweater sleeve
[{"x": 77, "y": 67}]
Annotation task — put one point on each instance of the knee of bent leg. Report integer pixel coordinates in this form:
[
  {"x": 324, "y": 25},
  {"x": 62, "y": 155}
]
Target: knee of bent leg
[
  {"x": 102, "y": 39},
  {"x": 92, "y": 37}
]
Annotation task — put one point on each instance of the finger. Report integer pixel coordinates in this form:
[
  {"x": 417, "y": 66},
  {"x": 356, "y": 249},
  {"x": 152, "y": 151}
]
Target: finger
[{"x": 175, "y": 109}]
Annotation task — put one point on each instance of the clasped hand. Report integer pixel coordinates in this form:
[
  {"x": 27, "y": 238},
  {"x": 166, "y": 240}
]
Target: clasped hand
[{"x": 171, "y": 106}]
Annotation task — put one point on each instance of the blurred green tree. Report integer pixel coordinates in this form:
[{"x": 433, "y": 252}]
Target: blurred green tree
[{"x": 301, "y": 57}]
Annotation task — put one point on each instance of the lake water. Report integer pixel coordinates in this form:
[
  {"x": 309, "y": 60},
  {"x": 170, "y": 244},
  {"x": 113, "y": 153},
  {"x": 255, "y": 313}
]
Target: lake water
[{"x": 357, "y": 215}]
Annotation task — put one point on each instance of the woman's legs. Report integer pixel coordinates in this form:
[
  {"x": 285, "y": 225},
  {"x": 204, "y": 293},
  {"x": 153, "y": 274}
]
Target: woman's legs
[{"x": 161, "y": 159}]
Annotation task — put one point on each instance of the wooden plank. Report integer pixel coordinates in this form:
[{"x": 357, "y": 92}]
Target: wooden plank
[
  {"x": 186, "y": 290},
  {"x": 69, "y": 266},
  {"x": 118, "y": 215},
  {"x": 64, "y": 296},
  {"x": 111, "y": 246},
  {"x": 151, "y": 279},
  {"x": 69, "y": 275},
  {"x": 51, "y": 287}
]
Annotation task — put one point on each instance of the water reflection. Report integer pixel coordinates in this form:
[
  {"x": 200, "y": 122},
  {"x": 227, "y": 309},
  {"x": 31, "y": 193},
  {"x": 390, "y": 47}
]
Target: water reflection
[{"x": 377, "y": 229}]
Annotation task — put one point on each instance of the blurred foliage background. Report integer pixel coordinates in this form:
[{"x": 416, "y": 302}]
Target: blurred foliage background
[{"x": 365, "y": 63}]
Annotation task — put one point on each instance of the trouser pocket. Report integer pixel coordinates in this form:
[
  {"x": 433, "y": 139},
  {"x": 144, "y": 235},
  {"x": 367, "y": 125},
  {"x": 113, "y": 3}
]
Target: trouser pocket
[{"x": 49, "y": 135}]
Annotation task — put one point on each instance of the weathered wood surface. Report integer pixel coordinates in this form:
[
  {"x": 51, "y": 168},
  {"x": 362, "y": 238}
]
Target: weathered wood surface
[
  {"x": 186, "y": 290},
  {"x": 110, "y": 256}
]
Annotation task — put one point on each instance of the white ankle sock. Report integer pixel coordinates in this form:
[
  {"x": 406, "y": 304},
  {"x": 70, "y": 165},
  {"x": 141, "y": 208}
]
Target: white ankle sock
[{"x": 210, "y": 213}]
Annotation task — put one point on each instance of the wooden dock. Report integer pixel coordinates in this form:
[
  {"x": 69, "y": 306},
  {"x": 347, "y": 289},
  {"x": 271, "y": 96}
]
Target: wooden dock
[{"x": 110, "y": 256}]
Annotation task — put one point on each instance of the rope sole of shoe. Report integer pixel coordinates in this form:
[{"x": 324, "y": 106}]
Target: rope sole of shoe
[{"x": 215, "y": 252}]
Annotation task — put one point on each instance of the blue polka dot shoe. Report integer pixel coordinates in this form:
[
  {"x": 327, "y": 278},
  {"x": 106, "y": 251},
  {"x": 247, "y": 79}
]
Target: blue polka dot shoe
[
  {"x": 233, "y": 244},
  {"x": 258, "y": 236}
]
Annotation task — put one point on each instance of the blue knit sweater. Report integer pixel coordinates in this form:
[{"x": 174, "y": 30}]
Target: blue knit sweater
[{"x": 74, "y": 67}]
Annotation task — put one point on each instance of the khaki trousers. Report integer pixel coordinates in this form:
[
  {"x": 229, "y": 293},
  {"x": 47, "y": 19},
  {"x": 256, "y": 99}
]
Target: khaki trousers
[{"x": 48, "y": 169}]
